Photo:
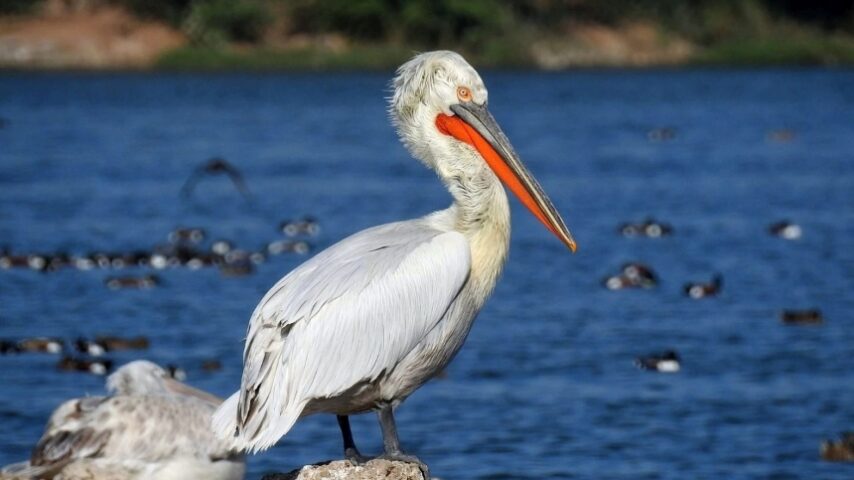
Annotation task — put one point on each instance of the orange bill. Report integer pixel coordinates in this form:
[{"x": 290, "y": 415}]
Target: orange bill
[{"x": 474, "y": 125}]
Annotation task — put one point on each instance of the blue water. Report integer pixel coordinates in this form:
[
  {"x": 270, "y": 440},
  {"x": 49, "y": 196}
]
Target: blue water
[{"x": 545, "y": 386}]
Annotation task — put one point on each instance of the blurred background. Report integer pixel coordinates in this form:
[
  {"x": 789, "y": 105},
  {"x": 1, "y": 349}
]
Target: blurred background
[
  {"x": 550, "y": 34},
  {"x": 163, "y": 163}
]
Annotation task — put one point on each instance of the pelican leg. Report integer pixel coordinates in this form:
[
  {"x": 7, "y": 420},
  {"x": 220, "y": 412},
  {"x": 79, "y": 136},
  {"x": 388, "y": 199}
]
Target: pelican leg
[
  {"x": 350, "y": 451},
  {"x": 391, "y": 443}
]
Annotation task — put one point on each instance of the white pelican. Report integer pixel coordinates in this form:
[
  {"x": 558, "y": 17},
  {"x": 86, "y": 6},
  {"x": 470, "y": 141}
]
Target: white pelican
[
  {"x": 364, "y": 323},
  {"x": 151, "y": 427}
]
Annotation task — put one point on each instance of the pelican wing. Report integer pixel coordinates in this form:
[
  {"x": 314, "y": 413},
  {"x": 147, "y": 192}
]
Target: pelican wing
[
  {"x": 340, "y": 321},
  {"x": 133, "y": 430}
]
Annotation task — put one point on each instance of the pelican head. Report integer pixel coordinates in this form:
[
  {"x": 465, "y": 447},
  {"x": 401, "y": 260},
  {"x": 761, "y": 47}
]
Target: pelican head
[
  {"x": 142, "y": 377},
  {"x": 439, "y": 108},
  {"x": 139, "y": 377}
]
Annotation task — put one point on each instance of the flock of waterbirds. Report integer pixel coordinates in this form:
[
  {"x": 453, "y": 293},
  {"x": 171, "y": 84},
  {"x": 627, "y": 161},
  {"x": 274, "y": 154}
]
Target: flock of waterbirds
[
  {"x": 186, "y": 247},
  {"x": 635, "y": 275}
]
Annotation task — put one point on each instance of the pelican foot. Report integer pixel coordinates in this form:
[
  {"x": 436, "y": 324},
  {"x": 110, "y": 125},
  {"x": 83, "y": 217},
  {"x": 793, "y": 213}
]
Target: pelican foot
[
  {"x": 402, "y": 457},
  {"x": 355, "y": 457}
]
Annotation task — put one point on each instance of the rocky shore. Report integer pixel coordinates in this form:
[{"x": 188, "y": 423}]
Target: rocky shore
[{"x": 344, "y": 470}]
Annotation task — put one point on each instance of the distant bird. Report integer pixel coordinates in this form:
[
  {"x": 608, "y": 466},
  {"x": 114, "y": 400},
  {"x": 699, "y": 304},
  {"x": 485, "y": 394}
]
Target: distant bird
[
  {"x": 221, "y": 247},
  {"x": 57, "y": 261},
  {"x": 841, "y": 450},
  {"x": 103, "y": 344},
  {"x": 211, "y": 365},
  {"x": 9, "y": 347},
  {"x": 648, "y": 228},
  {"x": 88, "y": 365},
  {"x": 143, "y": 282},
  {"x": 702, "y": 290},
  {"x": 785, "y": 230},
  {"x": 279, "y": 247},
  {"x": 802, "y": 317},
  {"x": 190, "y": 235},
  {"x": 364, "y": 323},
  {"x": 216, "y": 166},
  {"x": 782, "y": 135},
  {"x": 83, "y": 262},
  {"x": 149, "y": 427},
  {"x": 41, "y": 345},
  {"x": 200, "y": 260},
  {"x": 632, "y": 275},
  {"x": 8, "y": 260},
  {"x": 238, "y": 268},
  {"x": 176, "y": 372},
  {"x": 661, "y": 134},
  {"x": 304, "y": 226},
  {"x": 668, "y": 362}
]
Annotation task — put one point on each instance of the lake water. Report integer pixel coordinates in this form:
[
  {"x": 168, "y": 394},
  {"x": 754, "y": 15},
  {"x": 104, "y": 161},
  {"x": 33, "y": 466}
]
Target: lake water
[{"x": 545, "y": 386}]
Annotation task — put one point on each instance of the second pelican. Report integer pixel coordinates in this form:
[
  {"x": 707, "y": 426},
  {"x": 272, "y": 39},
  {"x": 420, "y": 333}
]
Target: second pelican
[{"x": 364, "y": 323}]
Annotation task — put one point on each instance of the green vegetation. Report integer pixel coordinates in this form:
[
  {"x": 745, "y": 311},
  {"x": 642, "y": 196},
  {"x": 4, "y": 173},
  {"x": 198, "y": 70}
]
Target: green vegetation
[
  {"x": 216, "y": 22},
  {"x": 797, "y": 50},
  {"x": 15, "y": 7},
  {"x": 379, "y": 33},
  {"x": 357, "y": 57}
]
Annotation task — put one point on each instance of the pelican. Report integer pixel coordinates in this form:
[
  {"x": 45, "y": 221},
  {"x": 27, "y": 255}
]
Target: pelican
[
  {"x": 364, "y": 323},
  {"x": 151, "y": 427}
]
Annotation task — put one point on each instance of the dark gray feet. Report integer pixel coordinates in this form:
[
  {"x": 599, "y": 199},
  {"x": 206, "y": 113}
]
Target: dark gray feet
[
  {"x": 356, "y": 458},
  {"x": 391, "y": 443},
  {"x": 402, "y": 457},
  {"x": 351, "y": 453}
]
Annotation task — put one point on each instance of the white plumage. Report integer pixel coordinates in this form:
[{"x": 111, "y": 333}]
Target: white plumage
[
  {"x": 151, "y": 427},
  {"x": 364, "y": 323}
]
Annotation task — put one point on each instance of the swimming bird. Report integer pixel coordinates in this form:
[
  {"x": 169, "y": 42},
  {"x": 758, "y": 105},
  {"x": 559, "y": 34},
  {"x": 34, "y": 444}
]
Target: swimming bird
[
  {"x": 216, "y": 166},
  {"x": 786, "y": 230},
  {"x": 304, "y": 226},
  {"x": 108, "y": 343},
  {"x": 150, "y": 427},
  {"x": 97, "y": 366},
  {"x": 632, "y": 275},
  {"x": 781, "y": 135},
  {"x": 9, "y": 347},
  {"x": 661, "y": 134},
  {"x": 41, "y": 345},
  {"x": 221, "y": 247},
  {"x": 176, "y": 372},
  {"x": 364, "y": 323},
  {"x": 841, "y": 450},
  {"x": 701, "y": 290},
  {"x": 279, "y": 247},
  {"x": 211, "y": 365},
  {"x": 802, "y": 317},
  {"x": 143, "y": 282},
  {"x": 191, "y": 235},
  {"x": 667, "y": 362},
  {"x": 648, "y": 228}
]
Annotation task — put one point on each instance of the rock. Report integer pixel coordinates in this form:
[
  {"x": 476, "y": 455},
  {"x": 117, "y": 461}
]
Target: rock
[{"x": 375, "y": 469}]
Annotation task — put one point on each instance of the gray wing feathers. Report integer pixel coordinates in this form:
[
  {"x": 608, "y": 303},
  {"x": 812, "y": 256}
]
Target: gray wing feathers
[
  {"x": 145, "y": 429},
  {"x": 344, "y": 317}
]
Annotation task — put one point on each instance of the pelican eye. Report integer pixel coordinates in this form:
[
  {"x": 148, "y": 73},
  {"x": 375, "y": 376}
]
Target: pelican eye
[{"x": 464, "y": 94}]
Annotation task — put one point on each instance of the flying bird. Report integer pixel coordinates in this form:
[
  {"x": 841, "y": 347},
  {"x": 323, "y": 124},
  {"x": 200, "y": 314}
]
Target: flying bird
[
  {"x": 216, "y": 166},
  {"x": 150, "y": 427},
  {"x": 364, "y": 323}
]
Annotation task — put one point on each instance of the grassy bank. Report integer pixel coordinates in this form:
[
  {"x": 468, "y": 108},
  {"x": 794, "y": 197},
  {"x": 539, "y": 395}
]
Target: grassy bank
[
  {"x": 363, "y": 56},
  {"x": 797, "y": 50},
  {"x": 367, "y": 57},
  {"x": 742, "y": 53}
]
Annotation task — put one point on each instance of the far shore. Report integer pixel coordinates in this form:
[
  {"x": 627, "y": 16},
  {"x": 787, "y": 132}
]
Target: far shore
[{"x": 111, "y": 39}]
